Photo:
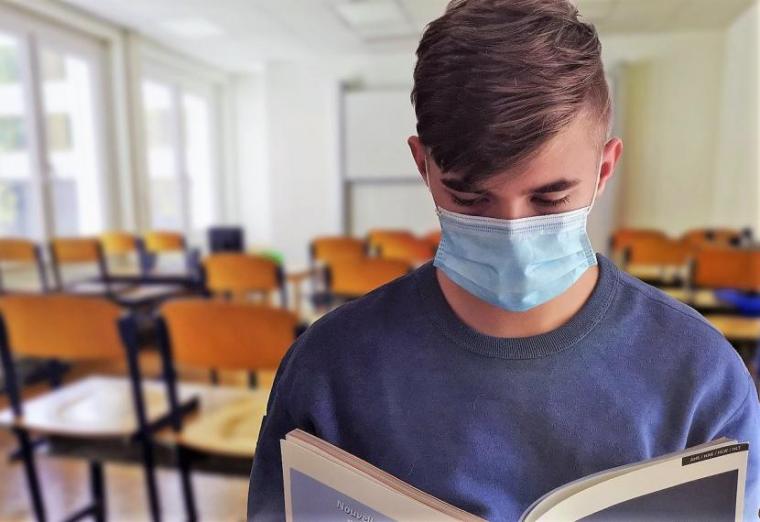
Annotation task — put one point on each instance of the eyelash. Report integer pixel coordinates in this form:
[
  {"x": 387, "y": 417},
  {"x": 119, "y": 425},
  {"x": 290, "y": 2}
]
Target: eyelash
[
  {"x": 466, "y": 202},
  {"x": 552, "y": 203},
  {"x": 540, "y": 201}
]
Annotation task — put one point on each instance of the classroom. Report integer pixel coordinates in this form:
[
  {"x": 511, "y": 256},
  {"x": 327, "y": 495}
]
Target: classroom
[{"x": 224, "y": 221}]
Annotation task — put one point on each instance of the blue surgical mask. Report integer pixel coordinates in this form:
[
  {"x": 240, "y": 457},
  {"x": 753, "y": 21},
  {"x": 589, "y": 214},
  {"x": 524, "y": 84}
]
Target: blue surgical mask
[{"x": 515, "y": 264}]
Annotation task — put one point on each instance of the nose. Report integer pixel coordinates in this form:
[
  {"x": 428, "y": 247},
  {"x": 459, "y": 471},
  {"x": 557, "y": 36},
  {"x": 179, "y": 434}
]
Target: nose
[{"x": 512, "y": 209}]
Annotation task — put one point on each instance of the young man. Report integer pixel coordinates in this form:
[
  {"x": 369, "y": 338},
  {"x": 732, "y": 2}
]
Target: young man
[{"x": 518, "y": 361}]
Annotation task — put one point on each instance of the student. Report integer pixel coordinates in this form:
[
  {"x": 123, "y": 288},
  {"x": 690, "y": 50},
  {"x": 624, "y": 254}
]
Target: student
[{"x": 519, "y": 360}]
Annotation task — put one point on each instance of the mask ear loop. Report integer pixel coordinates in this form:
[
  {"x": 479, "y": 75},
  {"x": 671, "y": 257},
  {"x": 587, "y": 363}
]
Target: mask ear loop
[
  {"x": 427, "y": 172},
  {"x": 427, "y": 183},
  {"x": 596, "y": 186}
]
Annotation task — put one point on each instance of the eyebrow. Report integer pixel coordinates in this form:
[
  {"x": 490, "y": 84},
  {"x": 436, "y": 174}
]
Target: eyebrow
[
  {"x": 556, "y": 186},
  {"x": 459, "y": 185}
]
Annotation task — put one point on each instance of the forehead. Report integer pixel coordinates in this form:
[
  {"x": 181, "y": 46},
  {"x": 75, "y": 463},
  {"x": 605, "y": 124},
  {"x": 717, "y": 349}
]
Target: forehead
[{"x": 572, "y": 154}]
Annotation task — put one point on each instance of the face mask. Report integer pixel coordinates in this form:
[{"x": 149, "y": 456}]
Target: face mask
[{"x": 515, "y": 264}]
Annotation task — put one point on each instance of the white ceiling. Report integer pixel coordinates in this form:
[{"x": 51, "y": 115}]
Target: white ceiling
[{"x": 238, "y": 35}]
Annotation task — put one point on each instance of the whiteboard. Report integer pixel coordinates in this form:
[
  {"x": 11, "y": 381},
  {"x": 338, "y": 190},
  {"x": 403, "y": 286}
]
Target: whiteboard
[
  {"x": 407, "y": 206},
  {"x": 376, "y": 125}
]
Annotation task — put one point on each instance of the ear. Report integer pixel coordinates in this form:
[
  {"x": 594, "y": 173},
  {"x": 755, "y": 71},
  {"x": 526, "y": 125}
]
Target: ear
[
  {"x": 613, "y": 150},
  {"x": 419, "y": 154}
]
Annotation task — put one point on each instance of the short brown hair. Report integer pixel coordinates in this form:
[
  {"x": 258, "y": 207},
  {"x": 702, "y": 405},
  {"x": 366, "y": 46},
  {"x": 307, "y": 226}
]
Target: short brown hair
[{"x": 497, "y": 79}]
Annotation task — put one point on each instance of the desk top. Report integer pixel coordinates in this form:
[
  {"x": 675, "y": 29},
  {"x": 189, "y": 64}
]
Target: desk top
[
  {"x": 737, "y": 328},
  {"x": 696, "y": 298},
  {"x": 101, "y": 407}
]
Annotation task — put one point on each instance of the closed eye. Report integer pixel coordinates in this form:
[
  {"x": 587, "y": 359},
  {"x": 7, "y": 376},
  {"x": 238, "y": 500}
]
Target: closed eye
[
  {"x": 466, "y": 202},
  {"x": 545, "y": 202}
]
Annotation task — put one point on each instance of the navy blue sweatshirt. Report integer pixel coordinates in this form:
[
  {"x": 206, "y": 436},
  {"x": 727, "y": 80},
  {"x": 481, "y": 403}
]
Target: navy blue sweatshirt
[{"x": 491, "y": 424}]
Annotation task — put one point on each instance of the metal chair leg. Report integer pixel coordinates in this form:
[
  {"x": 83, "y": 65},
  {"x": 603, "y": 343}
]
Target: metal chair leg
[
  {"x": 97, "y": 488},
  {"x": 27, "y": 455},
  {"x": 187, "y": 486},
  {"x": 149, "y": 467}
]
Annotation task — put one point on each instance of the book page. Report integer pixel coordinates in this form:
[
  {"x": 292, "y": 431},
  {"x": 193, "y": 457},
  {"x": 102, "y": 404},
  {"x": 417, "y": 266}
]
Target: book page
[
  {"x": 344, "y": 486},
  {"x": 703, "y": 485}
]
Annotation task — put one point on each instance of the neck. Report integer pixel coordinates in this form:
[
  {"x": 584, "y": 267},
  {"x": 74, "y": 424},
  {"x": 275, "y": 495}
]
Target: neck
[{"x": 487, "y": 319}]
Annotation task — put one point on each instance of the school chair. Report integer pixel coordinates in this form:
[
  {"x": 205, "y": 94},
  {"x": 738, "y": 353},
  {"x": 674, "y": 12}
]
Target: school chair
[
  {"x": 210, "y": 334},
  {"x": 239, "y": 276},
  {"x": 132, "y": 292},
  {"x": 403, "y": 248},
  {"x": 18, "y": 253},
  {"x": 348, "y": 280},
  {"x": 162, "y": 243},
  {"x": 709, "y": 237},
  {"x": 78, "y": 253},
  {"x": 727, "y": 268},
  {"x": 624, "y": 237},
  {"x": 76, "y": 329},
  {"x": 118, "y": 247},
  {"x": 378, "y": 238},
  {"x": 326, "y": 250},
  {"x": 657, "y": 260}
]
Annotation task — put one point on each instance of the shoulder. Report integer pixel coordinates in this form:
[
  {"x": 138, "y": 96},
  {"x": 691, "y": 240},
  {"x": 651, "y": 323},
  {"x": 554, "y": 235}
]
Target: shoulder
[
  {"x": 669, "y": 336},
  {"x": 653, "y": 309}
]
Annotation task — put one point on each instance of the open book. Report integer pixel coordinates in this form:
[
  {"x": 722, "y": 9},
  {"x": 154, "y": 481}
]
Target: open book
[{"x": 324, "y": 483}]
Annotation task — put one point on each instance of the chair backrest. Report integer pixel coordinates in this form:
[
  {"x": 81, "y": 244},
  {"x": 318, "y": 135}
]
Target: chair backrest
[
  {"x": 409, "y": 249},
  {"x": 227, "y": 335},
  {"x": 67, "y": 250},
  {"x": 725, "y": 267},
  {"x": 658, "y": 252},
  {"x": 162, "y": 241},
  {"x": 76, "y": 251},
  {"x": 356, "y": 278},
  {"x": 624, "y": 237},
  {"x": 18, "y": 251},
  {"x": 707, "y": 237},
  {"x": 377, "y": 238},
  {"x": 242, "y": 273},
  {"x": 23, "y": 252},
  {"x": 62, "y": 326},
  {"x": 338, "y": 248},
  {"x": 119, "y": 243}
]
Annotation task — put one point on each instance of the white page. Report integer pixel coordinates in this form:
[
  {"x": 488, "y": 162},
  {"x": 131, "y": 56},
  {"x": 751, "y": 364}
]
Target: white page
[
  {"x": 357, "y": 487},
  {"x": 645, "y": 480}
]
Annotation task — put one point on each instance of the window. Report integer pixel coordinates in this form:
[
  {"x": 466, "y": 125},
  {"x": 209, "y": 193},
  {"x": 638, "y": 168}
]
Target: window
[
  {"x": 180, "y": 154},
  {"x": 19, "y": 201},
  {"x": 72, "y": 146},
  {"x": 52, "y": 157}
]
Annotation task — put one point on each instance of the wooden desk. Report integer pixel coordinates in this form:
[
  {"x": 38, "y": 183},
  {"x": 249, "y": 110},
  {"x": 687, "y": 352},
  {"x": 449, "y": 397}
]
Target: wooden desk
[
  {"x": 699, "y": 299},
  {"x": 129, "y": 292},
  {"x": 150, "y": 294},
  {"x": 226, "y": 423},
  {"x": 658, "y": 273},
  {"x": 737, "y": 328}
]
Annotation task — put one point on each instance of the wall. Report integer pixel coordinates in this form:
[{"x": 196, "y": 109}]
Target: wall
[
  {"x": 737, "y": 182},
  {"x": 251, "y": 193},
  {"x": 299, "y": 105},
  {"x": 672, "y": 110}
]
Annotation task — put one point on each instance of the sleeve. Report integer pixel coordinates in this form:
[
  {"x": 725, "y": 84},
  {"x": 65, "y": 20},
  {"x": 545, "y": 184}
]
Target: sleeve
[
  {"x": 265, "y": 493},
  {"x": 744, "y": 426}
]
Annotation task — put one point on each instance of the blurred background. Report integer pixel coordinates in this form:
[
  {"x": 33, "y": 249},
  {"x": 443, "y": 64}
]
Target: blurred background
[{"x": 217, "y": 175}]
